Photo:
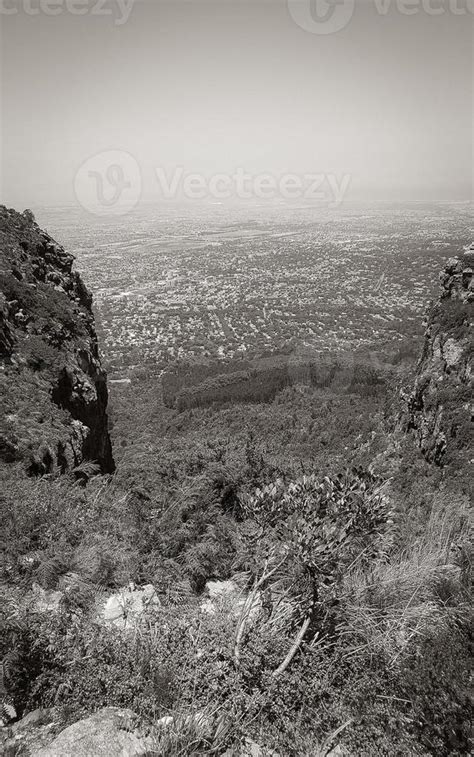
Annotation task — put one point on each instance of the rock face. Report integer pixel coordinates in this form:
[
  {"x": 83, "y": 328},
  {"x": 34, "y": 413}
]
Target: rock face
[
  {"x": 110, "y": 732},
  {"x": 439, "y": 410},
  {"x": 52, "y": 385},
  {"x": 32, "y": 732}
]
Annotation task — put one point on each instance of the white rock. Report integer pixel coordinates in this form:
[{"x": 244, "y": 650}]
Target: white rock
[
  {"x": 208, "y": 607},
  {"x": 46, "y": 601},
  {"x": 227, "y": 596},
  {"x": 125, "y": 608},
  {"x": 217, "y": 589},
  {"x": 164, "y": 722},
  {"x": 452, "y": 352}
]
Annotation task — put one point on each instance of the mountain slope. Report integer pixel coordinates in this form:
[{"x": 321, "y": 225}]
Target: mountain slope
[
  {"x": 53, "y": 387},
  {"x": 439, "y": 409}
]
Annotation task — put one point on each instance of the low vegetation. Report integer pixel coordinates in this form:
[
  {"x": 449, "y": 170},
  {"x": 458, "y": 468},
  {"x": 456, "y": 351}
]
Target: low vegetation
[{"x": 358, "y": 563}]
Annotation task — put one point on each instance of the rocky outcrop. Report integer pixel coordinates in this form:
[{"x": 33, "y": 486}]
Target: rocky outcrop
[
  {"x": 53, "y": 387},
  {"x": 32, "y": 732},
  {"x": 110, "y": 732},
  {"x": 126, "y": 608},
  {"x": 439, "y": 409}
]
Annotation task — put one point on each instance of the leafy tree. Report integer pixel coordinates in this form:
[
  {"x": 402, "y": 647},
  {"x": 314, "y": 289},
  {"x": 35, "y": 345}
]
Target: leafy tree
[{"x": 324, "y": 526}]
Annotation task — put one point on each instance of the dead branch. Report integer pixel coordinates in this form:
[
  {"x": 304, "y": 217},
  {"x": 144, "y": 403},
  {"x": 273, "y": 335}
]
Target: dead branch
[{"x": 297, "y": 643}]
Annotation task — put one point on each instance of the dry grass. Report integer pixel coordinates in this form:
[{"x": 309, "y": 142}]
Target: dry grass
[
  {"x": 413, "y": 595},
  {"x": 180, "y": 734}
]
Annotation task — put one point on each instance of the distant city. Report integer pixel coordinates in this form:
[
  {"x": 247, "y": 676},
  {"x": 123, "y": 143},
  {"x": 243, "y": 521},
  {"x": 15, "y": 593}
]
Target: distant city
[{"x": 210, "y": 281}]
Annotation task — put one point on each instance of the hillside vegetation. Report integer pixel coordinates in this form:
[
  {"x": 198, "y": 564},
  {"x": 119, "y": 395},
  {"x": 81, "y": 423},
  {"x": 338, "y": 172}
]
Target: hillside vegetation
[{"x": 306, "y": 562}]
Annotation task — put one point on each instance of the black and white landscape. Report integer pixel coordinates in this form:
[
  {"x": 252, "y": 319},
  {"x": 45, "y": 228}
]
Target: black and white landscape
[{"x": 236, "y": 293}]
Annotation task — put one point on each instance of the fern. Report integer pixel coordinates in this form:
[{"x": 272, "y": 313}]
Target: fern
[
  {"x": 49, "y": 571},
  {"x": 7, "y": 713},
  {"x": 180, "y": 593},
  {"x": 9, "y": 667},
  {"x": 85, "y": 471},
  {"x": 78, "y": 592}
]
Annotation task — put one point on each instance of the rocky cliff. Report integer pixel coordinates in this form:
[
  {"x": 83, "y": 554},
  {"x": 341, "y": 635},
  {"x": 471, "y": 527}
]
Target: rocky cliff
[
  {"x": 439, "y": 409},
  {"x": 52, "y": 386}
]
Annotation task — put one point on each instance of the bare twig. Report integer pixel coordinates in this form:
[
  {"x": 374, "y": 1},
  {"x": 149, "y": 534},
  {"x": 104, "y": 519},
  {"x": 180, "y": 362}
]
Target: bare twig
[
  {"x": 325, "y": 748},
  {"x": 297, "y": 643}
]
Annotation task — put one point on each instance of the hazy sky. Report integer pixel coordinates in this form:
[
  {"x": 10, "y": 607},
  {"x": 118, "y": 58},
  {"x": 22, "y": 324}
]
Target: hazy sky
[{"x": 213, "y": 86}]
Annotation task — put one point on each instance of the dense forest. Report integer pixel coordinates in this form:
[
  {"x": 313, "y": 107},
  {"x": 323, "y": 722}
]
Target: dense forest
[{"x": 199, "y": 384}]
